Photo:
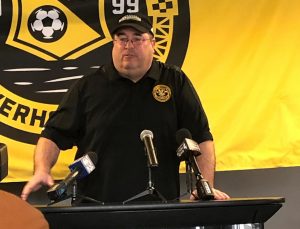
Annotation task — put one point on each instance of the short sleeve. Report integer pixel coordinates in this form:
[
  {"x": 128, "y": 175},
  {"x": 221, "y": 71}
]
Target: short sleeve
[
  {"x": 64, "y": 124},
  {"x": 191, "y": 114}
]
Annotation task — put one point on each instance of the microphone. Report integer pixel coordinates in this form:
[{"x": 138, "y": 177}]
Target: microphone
[
  {"x": 80, "y": 168},
  {"x": 188, "y": 150},
  {"x": 147, "y": 136},
  {"x": 187, "y": 145}
]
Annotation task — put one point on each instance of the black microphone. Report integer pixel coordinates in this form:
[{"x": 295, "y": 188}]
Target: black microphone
[
  {"x": 188, "y": 150},
  {"x": 187, "y": 145},
  {"x": 147, "y": 136},
  {"x": 79, "y": 169}
]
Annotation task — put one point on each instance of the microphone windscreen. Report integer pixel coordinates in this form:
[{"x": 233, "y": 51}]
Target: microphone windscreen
[
  {"x": 145, "y": 133},
  {"x": 93, "y": 156},
  {"x": 85, "y": 164},
  {"x": 182, "y": 134}
]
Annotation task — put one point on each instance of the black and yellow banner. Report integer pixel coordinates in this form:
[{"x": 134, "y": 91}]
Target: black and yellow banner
[{"x": 242, "y": 57}]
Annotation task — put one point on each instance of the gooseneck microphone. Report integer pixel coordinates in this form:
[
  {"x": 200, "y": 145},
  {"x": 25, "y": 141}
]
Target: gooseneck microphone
[
  {"x": 80, "y": 168},
  {"x": 147, "y": 136},
  {"x": 188, "y": 150}
]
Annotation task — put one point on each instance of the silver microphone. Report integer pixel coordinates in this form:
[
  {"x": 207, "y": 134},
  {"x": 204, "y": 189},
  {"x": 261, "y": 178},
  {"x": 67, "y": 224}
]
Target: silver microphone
[{"x": 147, "y": 136}]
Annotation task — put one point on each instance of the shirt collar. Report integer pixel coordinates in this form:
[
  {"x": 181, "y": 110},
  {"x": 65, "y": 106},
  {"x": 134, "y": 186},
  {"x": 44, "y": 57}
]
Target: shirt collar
[{"x": 153, "y": 72}]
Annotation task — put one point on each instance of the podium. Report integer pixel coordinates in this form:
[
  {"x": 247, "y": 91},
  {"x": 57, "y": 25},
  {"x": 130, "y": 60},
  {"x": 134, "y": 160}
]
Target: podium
[{"x": 181, "y": 214}]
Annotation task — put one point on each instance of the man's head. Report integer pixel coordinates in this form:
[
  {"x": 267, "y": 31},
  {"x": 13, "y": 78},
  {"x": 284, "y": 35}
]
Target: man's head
[{"x": 133, "y": 46}]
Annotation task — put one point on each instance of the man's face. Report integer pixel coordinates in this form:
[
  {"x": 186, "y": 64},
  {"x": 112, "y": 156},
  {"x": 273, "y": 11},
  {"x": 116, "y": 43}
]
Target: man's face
[{"x": 132, "y": 51}]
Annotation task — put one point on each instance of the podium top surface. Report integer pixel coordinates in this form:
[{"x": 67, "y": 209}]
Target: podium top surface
[
  {"x": 169, "y": 215},
  {"x": 182, "y": 204}
]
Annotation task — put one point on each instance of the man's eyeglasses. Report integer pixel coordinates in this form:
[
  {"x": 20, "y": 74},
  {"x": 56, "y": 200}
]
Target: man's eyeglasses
[{"x": 136, "y": 41}]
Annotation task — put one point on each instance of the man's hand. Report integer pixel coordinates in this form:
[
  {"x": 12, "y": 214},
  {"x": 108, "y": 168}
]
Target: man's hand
[
  {"x": 219, "y": 195},
  {"x": 35, "y": 183}
]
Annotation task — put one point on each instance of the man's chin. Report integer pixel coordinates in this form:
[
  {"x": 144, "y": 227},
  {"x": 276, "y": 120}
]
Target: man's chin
[{"x": 128, "y": 65}]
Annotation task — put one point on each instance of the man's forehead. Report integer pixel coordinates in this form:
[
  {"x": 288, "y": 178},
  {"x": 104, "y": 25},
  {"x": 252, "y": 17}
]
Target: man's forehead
[{"x": 129, "y": 31}]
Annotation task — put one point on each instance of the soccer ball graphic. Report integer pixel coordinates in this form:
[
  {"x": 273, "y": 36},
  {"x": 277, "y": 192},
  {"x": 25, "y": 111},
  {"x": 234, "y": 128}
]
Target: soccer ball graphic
[{"x": 47, "y": 23}]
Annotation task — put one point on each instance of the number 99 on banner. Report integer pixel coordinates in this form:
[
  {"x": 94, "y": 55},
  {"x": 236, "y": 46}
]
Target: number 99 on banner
[{"x": 120, "y": 5}]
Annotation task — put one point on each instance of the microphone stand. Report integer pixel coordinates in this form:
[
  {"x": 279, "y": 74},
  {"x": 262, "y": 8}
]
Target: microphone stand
[
  {"x": 75, "y": 197},
  {"x": 203, "y": 188},
  {"x": 189, "y": 179},
  {"x": 150, "y": 190}
]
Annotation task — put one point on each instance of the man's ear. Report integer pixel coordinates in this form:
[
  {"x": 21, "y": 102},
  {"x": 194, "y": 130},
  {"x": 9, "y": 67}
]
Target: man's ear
[{"x": 153, "y": 42}]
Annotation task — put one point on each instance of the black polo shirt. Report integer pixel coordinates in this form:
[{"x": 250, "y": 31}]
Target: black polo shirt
[{"x": 106, "y": 113}]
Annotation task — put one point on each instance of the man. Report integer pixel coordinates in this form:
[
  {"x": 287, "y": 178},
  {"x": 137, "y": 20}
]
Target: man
[{"x": 105, "y": 112}]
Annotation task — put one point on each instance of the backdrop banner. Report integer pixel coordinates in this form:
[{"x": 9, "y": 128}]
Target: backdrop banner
[{"x": 242, "y": 56}]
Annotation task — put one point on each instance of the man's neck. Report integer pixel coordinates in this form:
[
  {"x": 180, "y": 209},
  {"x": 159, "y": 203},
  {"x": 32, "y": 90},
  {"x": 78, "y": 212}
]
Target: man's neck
[{"x": 134, "y": 75}]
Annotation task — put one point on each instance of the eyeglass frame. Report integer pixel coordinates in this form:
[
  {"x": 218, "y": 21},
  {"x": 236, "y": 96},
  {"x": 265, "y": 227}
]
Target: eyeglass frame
[{"x": 136, "y": 41}]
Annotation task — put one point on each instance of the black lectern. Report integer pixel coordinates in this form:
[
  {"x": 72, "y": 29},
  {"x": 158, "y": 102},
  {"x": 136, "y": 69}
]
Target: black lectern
[{"x": 182, "y": 214}]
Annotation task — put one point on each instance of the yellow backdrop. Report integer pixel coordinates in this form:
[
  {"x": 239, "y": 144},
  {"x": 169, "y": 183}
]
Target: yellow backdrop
[{"x": 243, "y": 58}]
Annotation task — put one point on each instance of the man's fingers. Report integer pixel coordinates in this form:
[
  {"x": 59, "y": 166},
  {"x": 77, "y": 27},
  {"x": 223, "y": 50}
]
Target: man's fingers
[
  {"x": 31, "y": 186},
  {"x": 35, "y": 184},
  {"x": 219, "y": 195},
  {"x": 50, "y": 181},
  {"x": 194, "y": 195}
]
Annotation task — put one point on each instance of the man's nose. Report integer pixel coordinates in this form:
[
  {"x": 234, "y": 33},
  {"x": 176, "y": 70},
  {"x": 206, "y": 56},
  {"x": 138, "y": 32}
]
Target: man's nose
[{"x": 129, "y": 44}]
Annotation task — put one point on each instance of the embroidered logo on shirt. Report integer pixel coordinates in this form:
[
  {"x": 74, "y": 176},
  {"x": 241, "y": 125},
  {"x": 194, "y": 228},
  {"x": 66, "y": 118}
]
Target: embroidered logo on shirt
[{"x": 161, "y": 93}]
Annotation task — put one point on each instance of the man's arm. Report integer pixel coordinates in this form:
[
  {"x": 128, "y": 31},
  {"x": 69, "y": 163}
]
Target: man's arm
[
  {"x": 45, "y": 157},
  {"x": 207, "y": 161},
  {"x": 207, "y": 164}
]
